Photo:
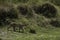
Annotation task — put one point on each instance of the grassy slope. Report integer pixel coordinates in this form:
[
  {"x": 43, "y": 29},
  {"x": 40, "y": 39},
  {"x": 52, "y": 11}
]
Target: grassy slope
[{"x": 43, "y": 33}]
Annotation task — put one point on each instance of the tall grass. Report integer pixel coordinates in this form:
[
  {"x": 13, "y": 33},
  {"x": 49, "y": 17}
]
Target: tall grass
[{"x": 41, "y": 24}]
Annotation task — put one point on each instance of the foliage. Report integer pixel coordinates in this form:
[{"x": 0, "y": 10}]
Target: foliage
[{"x": 40, "y": 25}]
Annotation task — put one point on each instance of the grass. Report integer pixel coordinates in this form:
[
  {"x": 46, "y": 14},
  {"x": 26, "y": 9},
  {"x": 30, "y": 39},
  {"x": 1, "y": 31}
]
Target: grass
[{"x": 42, "y": 33}]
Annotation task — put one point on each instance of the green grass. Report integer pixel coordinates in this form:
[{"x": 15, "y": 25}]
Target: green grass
[{"x": 42, "y": 33}]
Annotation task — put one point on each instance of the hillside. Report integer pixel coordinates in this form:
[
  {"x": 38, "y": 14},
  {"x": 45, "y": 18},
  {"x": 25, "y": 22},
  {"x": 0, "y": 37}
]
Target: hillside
[{"x": 29, "y": 20}]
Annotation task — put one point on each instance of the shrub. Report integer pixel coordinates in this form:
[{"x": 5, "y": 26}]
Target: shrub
[
  {"x": 3, "y": 16},
  {"x": 12, "y": 14},
  {"x": 25, "y": 11},
  {"x": 7, "y": 13},
  {"x": 55, "y": 23},
  {"x": 48, "y": 10},
  {"x": 30, "y": 13}
]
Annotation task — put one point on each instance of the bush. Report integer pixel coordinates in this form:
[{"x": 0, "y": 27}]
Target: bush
[
  {"x": 3, "y": 16},
  {"x": 55, "y": 23},
  {"x": 7, "y": 14},
  {"x": 25, "y": 11},
  {"x": 12, "y": 14},
  {"x": 48, "y": 10},
  {"x": 30, "y": 13}
]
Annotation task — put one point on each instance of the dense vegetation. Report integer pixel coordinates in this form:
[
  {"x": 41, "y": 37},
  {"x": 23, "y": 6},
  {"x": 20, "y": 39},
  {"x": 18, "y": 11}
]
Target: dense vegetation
[{"x": 39, "y": 18}]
